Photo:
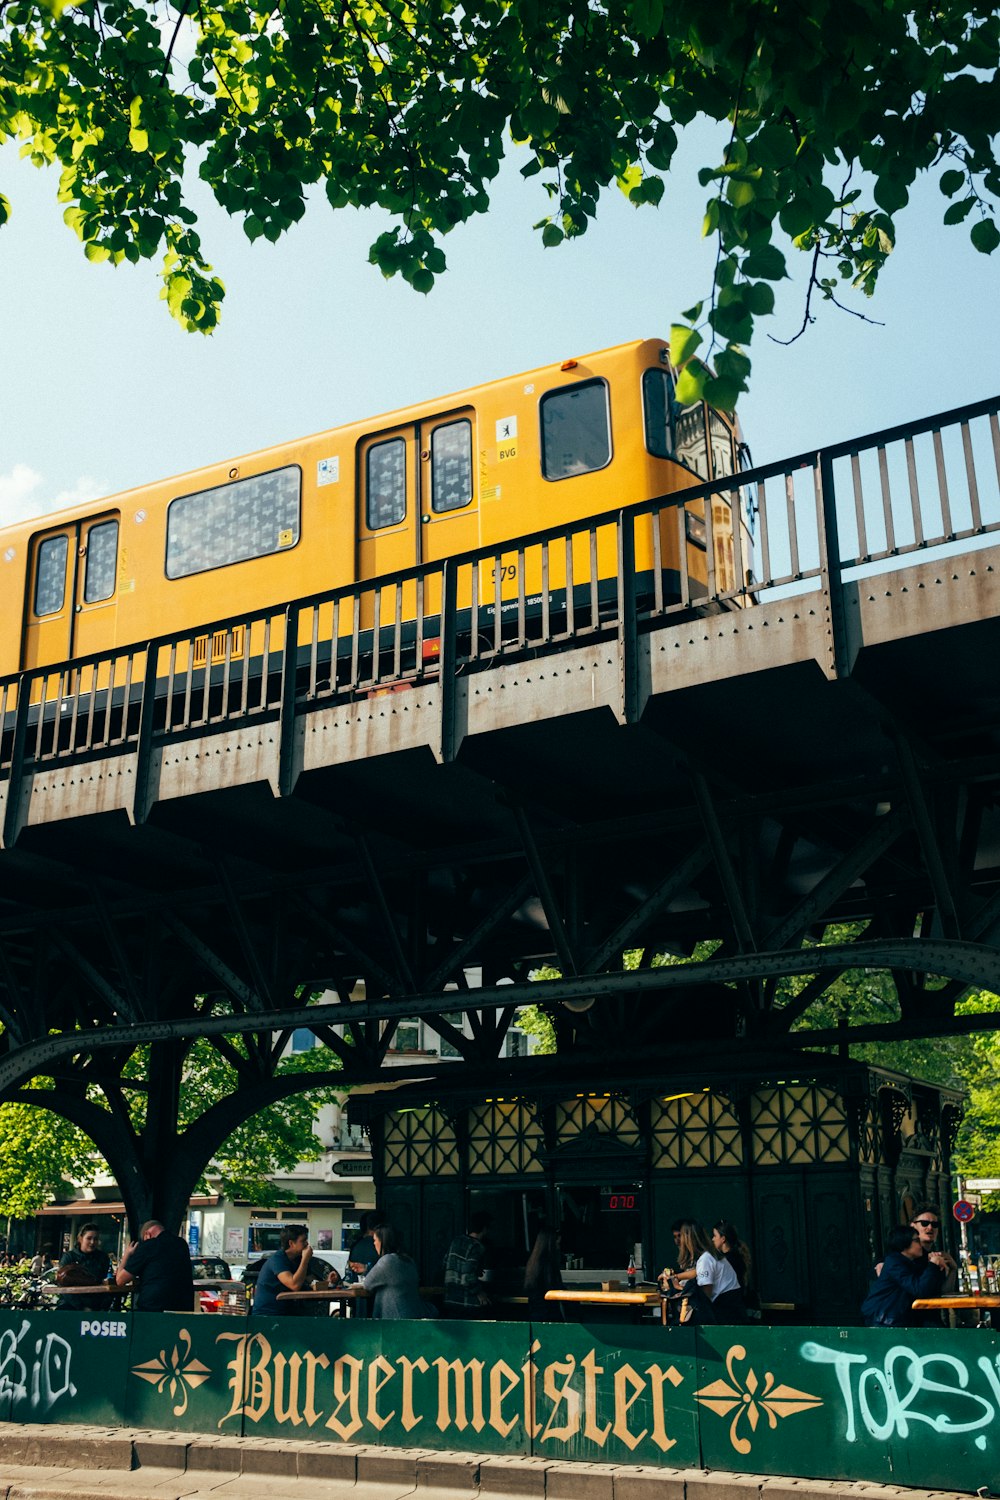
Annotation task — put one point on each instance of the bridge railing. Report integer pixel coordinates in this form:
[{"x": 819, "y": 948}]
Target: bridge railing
[{"x": 807, "y": 522}]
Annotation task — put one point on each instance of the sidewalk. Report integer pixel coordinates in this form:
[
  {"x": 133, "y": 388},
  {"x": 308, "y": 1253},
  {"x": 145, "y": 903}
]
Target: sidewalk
[{"x": 93, "y": 1463}]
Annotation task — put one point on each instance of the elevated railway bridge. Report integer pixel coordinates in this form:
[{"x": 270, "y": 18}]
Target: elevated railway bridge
[{"x": 799, "y": 771}]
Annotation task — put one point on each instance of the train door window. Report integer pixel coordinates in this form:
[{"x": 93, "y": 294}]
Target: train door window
[
  {"x": 102, "y": 561},
  {"x": 658, "y": 412},
  {"x": 576, "y": 430},
  {"x": 451, "y": 466},
  {"x": 50, "y": 575},
  {"x": 233, "y": 523},
  {"x": 385, "y": 484}
]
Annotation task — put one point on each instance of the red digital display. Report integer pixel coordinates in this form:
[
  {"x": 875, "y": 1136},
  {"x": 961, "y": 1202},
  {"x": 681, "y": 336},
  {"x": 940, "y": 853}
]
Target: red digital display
[{"x": 615, "y": 1200}]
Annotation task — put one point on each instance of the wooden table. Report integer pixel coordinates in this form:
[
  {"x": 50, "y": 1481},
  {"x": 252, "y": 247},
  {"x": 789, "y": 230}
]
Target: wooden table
[
  {"x": 978, "y": 1302},
  {"x": 342, "y": 1294},
  {"x": 595, "y": 1298}
]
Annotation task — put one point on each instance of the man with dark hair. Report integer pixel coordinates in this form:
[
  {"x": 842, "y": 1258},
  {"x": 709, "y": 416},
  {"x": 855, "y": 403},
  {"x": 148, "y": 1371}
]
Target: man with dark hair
[
  {"x": 464, "y": 1295},
  {"x": 284, "y": 1271},
  {"x": 927, "y": 1223},
  {"x": 906, "y": 1274},
  {"x": 161, "y": 1263}
]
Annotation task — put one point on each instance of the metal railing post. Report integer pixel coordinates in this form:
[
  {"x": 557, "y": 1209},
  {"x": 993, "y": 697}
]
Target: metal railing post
[
  {"x": 12, "y": 812},
  {"x": 287, "y": 717},
  {"x": 144, "y": 742},
  {"x": 628, "y": 623},
  {"x": 449, "y": 659},
  {"x": 831, "y": 568}
]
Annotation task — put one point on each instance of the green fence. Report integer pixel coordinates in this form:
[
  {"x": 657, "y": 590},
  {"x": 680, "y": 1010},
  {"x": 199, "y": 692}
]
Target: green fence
[{"x": 919, "y": 1407}]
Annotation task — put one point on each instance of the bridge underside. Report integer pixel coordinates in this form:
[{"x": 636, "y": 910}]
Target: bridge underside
[{"x": 722, "y": 784}]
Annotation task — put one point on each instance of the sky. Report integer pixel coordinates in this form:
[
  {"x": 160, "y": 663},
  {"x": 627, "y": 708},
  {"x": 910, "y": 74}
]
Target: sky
[{"x": 104, "y": 391}]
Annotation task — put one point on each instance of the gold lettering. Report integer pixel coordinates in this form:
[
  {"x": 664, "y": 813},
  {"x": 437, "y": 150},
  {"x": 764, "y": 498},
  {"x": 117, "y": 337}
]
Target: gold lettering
[
  {"x": 250, "y": 1382},
  {"x": 314, "y": 1362},
  {"x": 624, "y": 1377},
  {"x": 238, "y": 1365},
  {"x": 287, "y": 1411},
  {"x": 346, "y": 1391},
  {"x": 499, "y": 1394},
  {"x": 591, "y": 1370},
  {"x": 532, "y": 1425},
  {"x": 409, "y": 1418},
  {"x": 474, "y": 1369},
  {"x": 557, "y": 1397},
  {"x": 658, "y": 1376},
  {"x": 379, "y": 1365}
]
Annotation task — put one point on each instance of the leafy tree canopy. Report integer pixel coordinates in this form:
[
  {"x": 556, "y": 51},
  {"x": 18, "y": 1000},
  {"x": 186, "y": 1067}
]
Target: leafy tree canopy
[
  {"x": 828, "y": 111},
  {"x": 40, "y": 1153}
]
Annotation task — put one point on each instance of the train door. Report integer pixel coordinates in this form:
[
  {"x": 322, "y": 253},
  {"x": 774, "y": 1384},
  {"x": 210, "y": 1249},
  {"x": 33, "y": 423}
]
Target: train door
[
  {"x": 72, "y": 583},
  {"x": 416, "y": 494},
  {"x": 416, "y": 504}
]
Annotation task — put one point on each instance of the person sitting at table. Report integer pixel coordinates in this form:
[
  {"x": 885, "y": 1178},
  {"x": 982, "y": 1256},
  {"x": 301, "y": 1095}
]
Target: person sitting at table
[
  {"x": 393, "y": 1279},
  {"x": 87, "y": 1265},
  {"x": 543, "y": 1274},
  {"x": 726, "y": 1241},
  {"x": 905, "y": 1275},
  {"x": 284, "y": 1271},
  {"x": 711, "y": 1285}
]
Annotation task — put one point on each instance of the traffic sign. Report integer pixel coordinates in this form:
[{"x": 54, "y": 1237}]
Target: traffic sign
[{"x": 964, "y": 1211}]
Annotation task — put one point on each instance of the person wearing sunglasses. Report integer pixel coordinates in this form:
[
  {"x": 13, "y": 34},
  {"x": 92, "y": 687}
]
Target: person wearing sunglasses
[{"x": 927, "y": 1222}]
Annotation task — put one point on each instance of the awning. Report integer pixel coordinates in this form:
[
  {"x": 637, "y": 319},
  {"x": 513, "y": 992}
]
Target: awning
[{"x": 96, "y": 1206}]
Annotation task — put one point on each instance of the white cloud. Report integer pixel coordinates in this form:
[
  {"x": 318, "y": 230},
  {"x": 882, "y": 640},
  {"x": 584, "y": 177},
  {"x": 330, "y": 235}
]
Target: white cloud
[
  {"x": 23, "y": 494},
  {"x": 19, "y": 496}
]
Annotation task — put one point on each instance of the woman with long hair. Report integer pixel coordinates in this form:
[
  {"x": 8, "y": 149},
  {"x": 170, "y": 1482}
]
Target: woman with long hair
[
  {"x": 393, "y": 1278},
  {"x": 712, "y": 1284}
]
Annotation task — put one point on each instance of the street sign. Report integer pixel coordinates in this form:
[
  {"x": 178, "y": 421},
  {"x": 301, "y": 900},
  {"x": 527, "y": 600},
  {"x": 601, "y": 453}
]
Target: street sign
[{"x": 964, "y": 1211}]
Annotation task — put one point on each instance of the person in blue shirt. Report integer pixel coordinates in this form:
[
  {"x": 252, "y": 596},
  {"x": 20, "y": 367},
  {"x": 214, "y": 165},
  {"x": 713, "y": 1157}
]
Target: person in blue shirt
[
  {"x": 905, "y": 1275},
  {"x": 284, "y": 1271}
]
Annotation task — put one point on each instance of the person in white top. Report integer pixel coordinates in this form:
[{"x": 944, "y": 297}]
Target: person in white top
[{"x": 715, "y": 1279}]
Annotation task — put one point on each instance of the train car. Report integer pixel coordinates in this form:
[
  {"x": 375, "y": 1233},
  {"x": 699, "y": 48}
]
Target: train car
[{"x": 546, "y": 448}]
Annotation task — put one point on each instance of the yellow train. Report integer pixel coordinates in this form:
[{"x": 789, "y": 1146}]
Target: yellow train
[{"x": 550, "y": 447}]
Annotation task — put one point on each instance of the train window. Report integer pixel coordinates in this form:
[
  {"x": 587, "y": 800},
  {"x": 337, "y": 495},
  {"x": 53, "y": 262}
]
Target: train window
[
  {"x": 234, "y": 523},
  {"x": 692, "y": 449},
  {"x": 50, "y": 575},
  {"x": 451, "y": 466},
  {"x": 385, "y": 483},
  {"x": 576, "y": 430},
  {"x": 658, "y": 412},
  {"x": 721, "y": 438},
  {"x": 102, "y": 559}
]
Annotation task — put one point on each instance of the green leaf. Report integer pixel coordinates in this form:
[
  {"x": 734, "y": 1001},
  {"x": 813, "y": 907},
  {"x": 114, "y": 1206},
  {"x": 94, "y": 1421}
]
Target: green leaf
[
  {"x": 766, "y": 262},
  {"x": 985, "y": 236},
  {"x": 956, "y": 212},
  {"x": 96, "y": 252},
  {"x": 760, "y": 298},
  {"x": 691, "y": 384},
  {"x": 683, "y": 343},
  {"x": 4, "y": 209},
  {"x": 552, "y": 235},
  {"x": 951, "y": 182},
  {"x": 138, "y": 140}
]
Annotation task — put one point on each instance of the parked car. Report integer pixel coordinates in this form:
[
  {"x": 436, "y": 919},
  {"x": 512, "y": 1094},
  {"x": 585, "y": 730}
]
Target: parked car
[{"x": 210, "y": 1268}]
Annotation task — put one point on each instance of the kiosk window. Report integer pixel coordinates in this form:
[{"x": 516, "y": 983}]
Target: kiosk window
[
  {"x": 658, "y": 412},
  {"x": 576, "y": 430},
  {"x": 50, "y": 578},
  {"x": 451, "y": 466},
  {"x": 385, "y": 483},
  {"x": 102, "y": 557},
  {"x": 234, "y": 523}
]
